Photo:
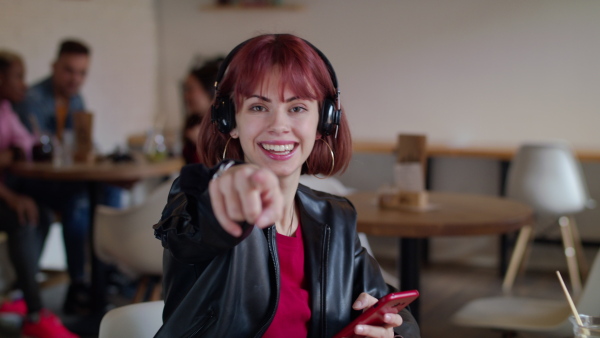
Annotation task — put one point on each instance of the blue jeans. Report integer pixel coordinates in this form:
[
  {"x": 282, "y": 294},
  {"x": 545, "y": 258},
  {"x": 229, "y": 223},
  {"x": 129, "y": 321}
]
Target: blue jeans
[
  {"x": 25, "y": 243},
  {"x": 72, "y": 201}
]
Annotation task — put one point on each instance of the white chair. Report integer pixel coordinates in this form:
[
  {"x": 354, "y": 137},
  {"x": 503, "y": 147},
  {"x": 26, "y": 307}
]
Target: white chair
[
  {"x": 548, "y": 177},
  {"x": 140, "y": 320},
  {"x": 124, "y": 237},
  {"x": 547, "y": 316}
]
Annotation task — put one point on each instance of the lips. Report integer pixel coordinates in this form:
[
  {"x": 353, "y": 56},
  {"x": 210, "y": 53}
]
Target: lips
[{"x": 280, "y": 149}]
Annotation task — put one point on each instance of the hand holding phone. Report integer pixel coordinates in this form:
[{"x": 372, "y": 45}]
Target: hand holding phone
[{"x": 391, "y": 303}]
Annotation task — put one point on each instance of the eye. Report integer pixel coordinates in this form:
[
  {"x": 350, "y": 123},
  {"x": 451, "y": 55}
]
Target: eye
[
  {"x": 298, "y": 109},
  {"x": 257, "y": 108}
]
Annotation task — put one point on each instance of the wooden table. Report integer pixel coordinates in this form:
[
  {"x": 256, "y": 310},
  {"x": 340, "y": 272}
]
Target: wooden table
[
  {"x": 502, "y": 154},
  {"x": 105, "y": 171},
  {"x": 449, "y": 214},
  {"x": 123, "y": 173}
]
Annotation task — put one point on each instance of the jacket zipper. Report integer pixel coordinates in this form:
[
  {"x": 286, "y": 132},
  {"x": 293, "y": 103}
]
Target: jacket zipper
[
  {"x": 203, "y": 324},
  {"x": 275, "y": 259},
  {"x": 324, "y": 266}
]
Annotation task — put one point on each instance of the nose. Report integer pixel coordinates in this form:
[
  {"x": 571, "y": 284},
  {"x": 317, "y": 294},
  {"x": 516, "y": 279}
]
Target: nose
[{"x": 279, "y": 122}]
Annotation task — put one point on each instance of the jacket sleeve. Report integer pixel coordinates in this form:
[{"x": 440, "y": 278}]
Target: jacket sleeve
[{"x": 188, "y": 227}]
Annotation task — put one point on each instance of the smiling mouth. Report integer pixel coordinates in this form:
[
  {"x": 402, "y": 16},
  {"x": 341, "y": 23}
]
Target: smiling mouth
[{"x": 278, "y": 149}]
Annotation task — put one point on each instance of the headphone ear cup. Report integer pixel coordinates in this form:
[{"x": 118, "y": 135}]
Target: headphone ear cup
[
  {"x": 329, "y": 118},
  {"x": 223, "y": 114}
]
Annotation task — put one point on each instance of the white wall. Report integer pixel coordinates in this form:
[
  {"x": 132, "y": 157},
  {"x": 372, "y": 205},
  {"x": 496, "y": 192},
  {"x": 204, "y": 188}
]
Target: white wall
[
  {"x": 122, "y": 83},
  {"x": 462, "y": 71}
]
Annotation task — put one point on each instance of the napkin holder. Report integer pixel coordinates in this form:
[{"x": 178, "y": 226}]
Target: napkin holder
[{"x": 409, "y": 175}]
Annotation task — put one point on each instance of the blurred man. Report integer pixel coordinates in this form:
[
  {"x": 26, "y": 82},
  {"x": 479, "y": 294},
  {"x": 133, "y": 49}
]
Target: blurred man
[{"x": 52, "y": 102}]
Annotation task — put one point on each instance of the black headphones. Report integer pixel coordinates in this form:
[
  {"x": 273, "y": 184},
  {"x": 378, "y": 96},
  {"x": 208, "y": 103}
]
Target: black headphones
[{"x": 223, "y": 109}]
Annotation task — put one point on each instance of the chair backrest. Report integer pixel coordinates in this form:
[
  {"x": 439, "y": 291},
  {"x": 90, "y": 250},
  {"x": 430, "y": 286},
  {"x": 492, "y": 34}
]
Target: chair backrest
[
  {"x": 141, "y": 320},
  {"x": 548, "y": 177},
  {"x": 329, "y": 185},
  {"x": 125, "y": 237},
  {"x": 589, "y": 300}
]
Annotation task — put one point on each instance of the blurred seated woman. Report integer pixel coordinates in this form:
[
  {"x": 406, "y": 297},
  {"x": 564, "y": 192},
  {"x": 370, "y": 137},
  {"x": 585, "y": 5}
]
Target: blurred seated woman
[
  {"x": 198, "y": 92},
  {"x": 249, "y": 252},
  {"x": 24, "y": 221}
]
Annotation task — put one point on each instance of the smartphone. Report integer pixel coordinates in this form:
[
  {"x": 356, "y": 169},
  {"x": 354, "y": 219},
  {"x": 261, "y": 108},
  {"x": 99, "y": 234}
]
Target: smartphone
[{"x": 392, "y": 303}]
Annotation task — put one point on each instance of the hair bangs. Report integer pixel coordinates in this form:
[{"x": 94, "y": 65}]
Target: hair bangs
[{"x": 300, "y": 68}]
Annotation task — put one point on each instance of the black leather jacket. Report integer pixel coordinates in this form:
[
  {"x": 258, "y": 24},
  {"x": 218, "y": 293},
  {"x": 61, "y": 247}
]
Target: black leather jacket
[{"x": 217, "y": 285}]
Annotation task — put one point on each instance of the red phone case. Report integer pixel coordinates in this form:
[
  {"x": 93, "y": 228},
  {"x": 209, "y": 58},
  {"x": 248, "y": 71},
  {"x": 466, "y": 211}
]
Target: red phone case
[{"x": 392, "y": 303}]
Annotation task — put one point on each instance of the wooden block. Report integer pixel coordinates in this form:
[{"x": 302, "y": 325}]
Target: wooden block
[
  {"x": 83, "y": 126},
  {"x": 413, "y": 198},
  {"x": 84, "y": 146},
  {"x": 403, "y": 199},
  {"x": 84, "y": 157},
  {"x": 411, "y": 148}
]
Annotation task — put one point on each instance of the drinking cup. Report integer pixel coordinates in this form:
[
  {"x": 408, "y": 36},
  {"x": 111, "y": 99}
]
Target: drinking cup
[{"x": 590, "y": 327}]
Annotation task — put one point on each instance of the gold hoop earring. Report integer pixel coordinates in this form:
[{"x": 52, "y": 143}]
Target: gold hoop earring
[
  {"x": 332, "y": 161},
  {"x": 226, "y": 144}
]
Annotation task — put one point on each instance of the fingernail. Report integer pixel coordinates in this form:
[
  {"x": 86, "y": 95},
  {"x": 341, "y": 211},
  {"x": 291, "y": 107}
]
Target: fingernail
[
  {"x": 357, "y": 304},
  {"x": 387, "y": 317},
  {"x": 359, "y": 329}
]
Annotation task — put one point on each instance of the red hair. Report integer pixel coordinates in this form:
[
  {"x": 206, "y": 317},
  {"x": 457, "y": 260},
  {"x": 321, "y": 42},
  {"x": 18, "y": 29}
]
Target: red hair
[{"x": 304, "y": 72}]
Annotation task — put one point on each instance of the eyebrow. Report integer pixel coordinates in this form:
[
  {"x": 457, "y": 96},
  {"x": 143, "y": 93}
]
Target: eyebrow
[{"x": 266, "y": 99}]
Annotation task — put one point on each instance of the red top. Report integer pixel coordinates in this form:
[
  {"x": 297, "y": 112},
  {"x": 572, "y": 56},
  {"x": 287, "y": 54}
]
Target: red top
[{"x": 293, "y": 313}]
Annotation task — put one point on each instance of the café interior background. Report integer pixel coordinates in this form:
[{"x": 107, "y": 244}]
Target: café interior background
[{"x": 464, "y": 72}]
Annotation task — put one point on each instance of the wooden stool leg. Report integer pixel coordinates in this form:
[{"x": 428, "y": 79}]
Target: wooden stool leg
[
  {"x": 142, "y": 287},
  {"x": 157, "y": 291},
  {"x": 516, "y": 258},
  {"x": 567, "y": 237},
  {"x": 583, "y": 266}
]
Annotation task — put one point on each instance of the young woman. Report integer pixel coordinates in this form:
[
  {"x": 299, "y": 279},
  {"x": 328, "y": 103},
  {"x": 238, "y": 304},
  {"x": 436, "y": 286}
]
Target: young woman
[{"x": 248, "y": 251}]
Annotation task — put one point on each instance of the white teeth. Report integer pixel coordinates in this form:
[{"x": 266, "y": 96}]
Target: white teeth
[{"x": 278, "y": 147}]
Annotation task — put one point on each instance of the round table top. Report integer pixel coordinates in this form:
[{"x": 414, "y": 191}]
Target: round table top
[
  {"x": 105, "y": 171},
  {"x": 448, "y": 214}
]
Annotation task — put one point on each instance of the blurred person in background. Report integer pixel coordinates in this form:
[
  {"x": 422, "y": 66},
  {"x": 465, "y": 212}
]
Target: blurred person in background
[
  {"x": 24, "y": 221},
  {"x": 198, "y": 93},
  {"x": 53, "y": 101},
  {"x": 49, "y": 107}
]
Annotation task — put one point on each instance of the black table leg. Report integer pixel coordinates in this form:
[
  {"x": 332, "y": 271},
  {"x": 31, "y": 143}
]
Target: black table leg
[
  {"x": 505, "y": 243},
  {"x": 98, "y": 273},
  {"x": 409, "y": 267}
]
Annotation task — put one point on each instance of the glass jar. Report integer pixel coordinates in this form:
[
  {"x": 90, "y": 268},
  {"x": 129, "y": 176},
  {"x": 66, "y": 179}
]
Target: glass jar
[{"x": 590, "y": 328}]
